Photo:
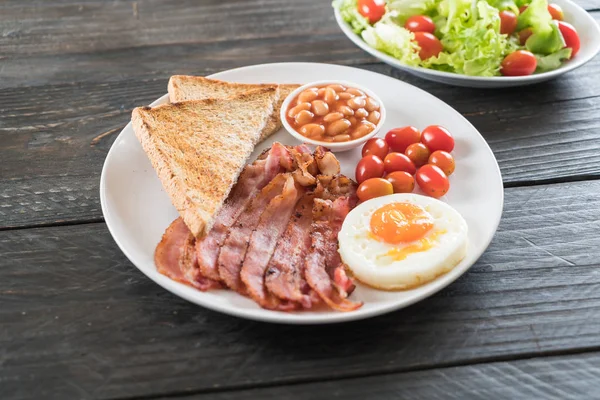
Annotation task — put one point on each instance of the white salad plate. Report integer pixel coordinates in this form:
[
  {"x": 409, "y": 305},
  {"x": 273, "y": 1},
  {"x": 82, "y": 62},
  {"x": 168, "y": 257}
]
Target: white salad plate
[
  {"x": 137, "y": 210},
  {"x": 586, "y": 26}
]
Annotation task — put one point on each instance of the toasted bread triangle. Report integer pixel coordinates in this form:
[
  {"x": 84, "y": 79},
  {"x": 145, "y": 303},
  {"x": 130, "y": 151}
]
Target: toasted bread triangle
[
  {"x": 198, "y": 148},
  {"x": 184, "y": 87}
]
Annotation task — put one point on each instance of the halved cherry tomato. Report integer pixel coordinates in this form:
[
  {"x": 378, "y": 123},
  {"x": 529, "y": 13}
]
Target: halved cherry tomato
[
  {"x": 556, "y": 11},
  {"x": 519, "y": 63},
  {"x": 432, "y": 181},
  {"x": 436, "y": 137},
  {"x": 508, "y": 22},
  {"x": 420, "y": 23},
  {"x": 399, "y": 138},
  {"x": 372, "y": 10},
  {"x": 369, "y": 166},
  {"x": 443, "y": 160},
  {"x": 374, "y": 187},
  {"x": 401, "y": 181},
  {"x": 399, "y": 162},
  {"x": 418, "y": 154},
  {"x": 524, "y": 35},
  {"x": 376, "y": 146},
  {"x": 429, "y": 44},
  {"x": 571, "y": 37}
]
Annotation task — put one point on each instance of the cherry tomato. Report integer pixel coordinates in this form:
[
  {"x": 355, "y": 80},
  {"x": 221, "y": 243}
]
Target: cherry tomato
[
  {"x": 399, "y": 138},
  {"x": 556, "y": 12},
  {"x": 571, "y": 37},
  {"x": 436, "y": 137},
  {"x": 399, "y": 162},
  {"x": 420, "y": 23},
  {"x": 374, "y": 187},
  {"x": 369, "y": 166},
  {"x": 432, "y": 181},
  {"x": 418, "y": 154},
  {"x": 429, "y": 44},
  {"x": 376, "y": 146},
  {"x": 519, "y": 63},
  {"x": 372, "y": 10},
  {"x": 524, "y": 35},
  {"x": 443, "y": 160},
  {"x": 508, "y": 22},
  {"x": 521, "y": 9},
  {"x": 401, "y": 181}
]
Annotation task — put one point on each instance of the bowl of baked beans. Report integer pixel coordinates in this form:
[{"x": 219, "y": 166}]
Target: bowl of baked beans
[{"x": 339, "y": 115}]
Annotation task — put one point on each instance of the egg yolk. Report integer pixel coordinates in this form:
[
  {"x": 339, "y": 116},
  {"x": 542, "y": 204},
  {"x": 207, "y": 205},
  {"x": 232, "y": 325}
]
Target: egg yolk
[
  {"x": 400, "y": 223},
  {"x": 424, "y": 244}
]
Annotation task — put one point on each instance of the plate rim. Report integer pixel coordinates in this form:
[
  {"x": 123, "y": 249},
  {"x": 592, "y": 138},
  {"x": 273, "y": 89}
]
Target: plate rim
[
  {"x": 466, "y": 79},
  {"x": 270, "y": 316}
]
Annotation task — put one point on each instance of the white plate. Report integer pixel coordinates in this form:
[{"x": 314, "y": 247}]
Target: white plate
[
  {"x": 137, "y": 210},
  {"x": 589, "y": 33}
]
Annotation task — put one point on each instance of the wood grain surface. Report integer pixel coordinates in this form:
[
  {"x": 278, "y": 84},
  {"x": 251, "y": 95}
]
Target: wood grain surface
[
  {"x": 79, "y": 321},
  {"x": 546, "y": 378}
]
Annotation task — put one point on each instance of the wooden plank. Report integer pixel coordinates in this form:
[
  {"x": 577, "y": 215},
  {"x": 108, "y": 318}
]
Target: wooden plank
[
  {"x": 114, "y": 48},
  {"x": 55, "y": 137},
  {"x": 78, "y": 320},
  {"x": 51, "y": 28},
  {"x": 565, "y": 377}
]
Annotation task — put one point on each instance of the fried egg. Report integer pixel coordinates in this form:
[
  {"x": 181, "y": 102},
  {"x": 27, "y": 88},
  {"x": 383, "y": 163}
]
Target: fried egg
[{"x": 402, "y": 241}]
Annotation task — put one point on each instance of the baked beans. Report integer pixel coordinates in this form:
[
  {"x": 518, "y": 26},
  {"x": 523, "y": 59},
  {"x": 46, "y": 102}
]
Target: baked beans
[{"x": 333, "y": 113}]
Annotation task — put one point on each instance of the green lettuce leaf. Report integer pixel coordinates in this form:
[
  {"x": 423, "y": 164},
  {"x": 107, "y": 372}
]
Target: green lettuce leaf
[
  {"x": 552, "y": 61},
  {"x": 349, "y": 12},
  {"x": 472, "y": 40},
  {"x": 546, "y": 37},
  {"x": 394, "y": 40},
  {"x": 403, "y": 9},
  {"x": 546, "y": 42}
]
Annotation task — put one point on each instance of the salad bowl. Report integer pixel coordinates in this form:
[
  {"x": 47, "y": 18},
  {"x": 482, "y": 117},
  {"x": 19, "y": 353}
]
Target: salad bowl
[{"x": 586, "y": 26}]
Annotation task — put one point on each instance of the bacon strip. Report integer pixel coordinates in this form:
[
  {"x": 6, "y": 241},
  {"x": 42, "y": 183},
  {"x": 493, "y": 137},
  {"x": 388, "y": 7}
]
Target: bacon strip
[
  {"x": 323, "y": 258},
  {"x": 271, "y": 226},
  {"x": 234, "y": 248},
  {"x": 251, "y": 181},
  {"x": 285, "y": 272},
  {"x": 175, "y": 255},
  {"x": 168, "y": 251}
]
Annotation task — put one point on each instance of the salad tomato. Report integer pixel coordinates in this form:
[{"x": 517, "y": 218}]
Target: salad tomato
[
  {"x": 420, "y": 23},
  {"x": 374, "y": 187},
  {"x": 429, "y": 44},
  {"x": 399, "y": 162},
  {"x": 372, "y": 10},
  {"x": 436, "y": 137},
  {"x": 418, "y": 153},
  {"x": 401, "y": 181},
  {"x": 524, "y": 35},
  {"x": 432, "y": 181},
  {"x": 519, "y": 63},
  {"x": 400, "y": 138},
  {"x": 556, "y": 12},
  {"x": 369, "y": 166},
  {"x": 508, "y": 22},
  {"x": 443, "y": 160},
  {"x": 571, "y": 37},
  {"x": 376, "y": 146}
]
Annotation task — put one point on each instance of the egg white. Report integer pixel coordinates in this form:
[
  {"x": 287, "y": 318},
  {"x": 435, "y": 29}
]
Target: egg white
[{"x": 366, "y": 257}]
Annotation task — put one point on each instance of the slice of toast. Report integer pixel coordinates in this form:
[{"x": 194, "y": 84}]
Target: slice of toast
[
  {"x": 199, "y": 147},
  {"x": 184, "y": 87}
]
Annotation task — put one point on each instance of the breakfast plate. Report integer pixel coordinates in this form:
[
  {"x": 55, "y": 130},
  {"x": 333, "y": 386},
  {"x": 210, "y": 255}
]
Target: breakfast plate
[
  {"x": 137, "y": 210},
  {"x": 586, "y": 26}
]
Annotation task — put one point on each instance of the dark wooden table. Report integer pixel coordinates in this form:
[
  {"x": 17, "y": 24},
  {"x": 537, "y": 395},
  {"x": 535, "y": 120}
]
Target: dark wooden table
[{"x": 78, "y": 320}]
